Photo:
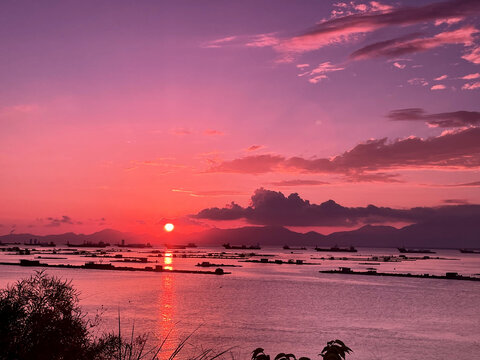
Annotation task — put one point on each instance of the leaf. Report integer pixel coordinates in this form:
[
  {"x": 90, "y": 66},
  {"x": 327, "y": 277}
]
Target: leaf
[
  {"x": 256, "y": 352},
  {"x": 340, "y": 342},
  {"x": 263, "y": 357}
]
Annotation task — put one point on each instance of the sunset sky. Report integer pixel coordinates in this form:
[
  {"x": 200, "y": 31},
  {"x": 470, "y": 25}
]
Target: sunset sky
[{"x": 130, "y": 114}]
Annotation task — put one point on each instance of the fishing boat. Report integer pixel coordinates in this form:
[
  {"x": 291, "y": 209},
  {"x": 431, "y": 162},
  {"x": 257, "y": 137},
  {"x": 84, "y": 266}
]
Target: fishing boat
[
  {"x": 469, "y": 251},
  {"x": 241, "y": 247},
  {"x": 337, "y": 249},
  {"x": 100, "y": 244},
  {"x": 415, "y": 251},
  {"x": 286, "y": 247}
]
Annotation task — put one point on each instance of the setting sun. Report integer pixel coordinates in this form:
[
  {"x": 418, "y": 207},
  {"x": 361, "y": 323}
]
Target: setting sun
[{"x": 169, "y": 227}]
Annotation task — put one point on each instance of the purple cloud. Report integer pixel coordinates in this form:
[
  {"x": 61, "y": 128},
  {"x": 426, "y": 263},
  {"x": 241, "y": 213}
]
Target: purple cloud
[
  {"x": 453, "y": 149},
  {"x": 413, "y": 43},
  {"x": 274, "y": 208},
  {"x": 341, "y": 28},
  {"x": 444, "y": 120}
]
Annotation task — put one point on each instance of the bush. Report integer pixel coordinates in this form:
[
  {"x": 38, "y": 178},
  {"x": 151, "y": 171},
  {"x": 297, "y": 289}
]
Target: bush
[
  {"x": 40, "y": 318},
  {"x": 335, "y": 350}
]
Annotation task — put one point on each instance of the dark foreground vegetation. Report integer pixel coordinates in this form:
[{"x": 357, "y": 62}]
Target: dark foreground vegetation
[{"x": 40, "y": 319}]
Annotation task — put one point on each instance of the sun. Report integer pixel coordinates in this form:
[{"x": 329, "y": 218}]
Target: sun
[{"x": 169, "y": 227}]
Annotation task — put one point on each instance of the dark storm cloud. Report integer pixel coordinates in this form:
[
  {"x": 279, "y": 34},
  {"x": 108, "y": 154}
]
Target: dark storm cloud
[{"x": 274, "y": 208}]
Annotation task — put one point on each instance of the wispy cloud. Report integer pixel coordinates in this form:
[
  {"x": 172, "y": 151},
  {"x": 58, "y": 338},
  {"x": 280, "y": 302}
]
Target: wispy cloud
[
  {"x": 438, "y": 87},
  {"x": 303, "y": 66},
  {"x": 162, "y": 165},
  {"x": 473, "y": 55},
  {"x": 209, "y": 193},
  {"x": 255, "y": 147},
  {"x": 379, "y": 177},
  {"x": 456, "y": 201},
  {"x": 471, "y": 86},
  {"x": 19, "y": 110},
  {"x": 413, "y": 43},
  {"x": 298, "y": 182},
  {"x": 471, "y": 76},
  {"x": 212, "y": 132},
  {"x": 469, "y": 184},
  {"x": 263, "y": 40},
  {"x": 320, "y": 72},
  {"x": 418, "y": 81},
  {"x": 440, "y": 78},
  {"x": 399, "y": 66},
  {"x": 219, "y": 42},
  {"x": 181, "y": 131},
  {"x": 445, "y": 120},
  {"x": 55, "y": 222}
]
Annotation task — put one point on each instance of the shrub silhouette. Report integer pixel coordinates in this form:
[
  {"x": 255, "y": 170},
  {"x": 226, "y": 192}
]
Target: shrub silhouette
[
  {"x": 40, "y": 318},
  {"x": 335, "y": 350}
]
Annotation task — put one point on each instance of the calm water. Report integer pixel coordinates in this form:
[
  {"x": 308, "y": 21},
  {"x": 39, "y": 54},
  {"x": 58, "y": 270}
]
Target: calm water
[{"x": 289, "y": 308}]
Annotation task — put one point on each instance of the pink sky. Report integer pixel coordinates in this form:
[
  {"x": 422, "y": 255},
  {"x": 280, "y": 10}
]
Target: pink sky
[{"x": 127, "y": 114}]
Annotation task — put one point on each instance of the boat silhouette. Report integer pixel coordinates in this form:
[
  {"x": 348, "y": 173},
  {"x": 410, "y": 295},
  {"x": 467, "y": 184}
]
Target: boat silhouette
[
  {"x": 100, "y": 244},
  {"x": 241, "y": 247},
  {"x": 469, "y": 251},
  {"x": 415, "y": 251},
  {"x": 286, "y": 247},
  {"x": 337, "y": 249}
]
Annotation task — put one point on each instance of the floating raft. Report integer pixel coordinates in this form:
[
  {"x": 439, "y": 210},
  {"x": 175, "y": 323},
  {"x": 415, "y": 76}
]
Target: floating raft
[
  {"x": 94, "y": 266},
  {"x": 448, "y": 275}
]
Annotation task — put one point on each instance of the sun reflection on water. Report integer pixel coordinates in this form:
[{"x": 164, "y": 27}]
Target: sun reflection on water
[
  {"x": 167, "y": 308},
  {"x": 168, "y": 261}
]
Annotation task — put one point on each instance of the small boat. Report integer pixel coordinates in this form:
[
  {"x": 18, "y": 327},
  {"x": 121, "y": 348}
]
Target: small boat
[
  {"x": 209, "y": 264},
  {"x": 136, "y": 246},
  {"x": 286, "y": 247},
  {"x": 415, "y": 251},
  {"x": 41, "y": 244},
  {"x": 175, "y": 247},
  {"x": 469, "y": 251},
  {"x": 100, "y": 244},
  {"x": 180, "y": 247},
  {"x": 241, "y": 247},
  {"x": 337, "y": 249}
]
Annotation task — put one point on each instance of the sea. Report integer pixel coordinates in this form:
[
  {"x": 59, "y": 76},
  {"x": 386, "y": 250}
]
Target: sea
[{"x": 284, "y": 306}]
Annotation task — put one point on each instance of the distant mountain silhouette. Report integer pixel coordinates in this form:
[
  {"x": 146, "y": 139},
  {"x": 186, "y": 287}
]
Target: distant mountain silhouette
[
  {"x": 441, "y": 233},
  {"x": 107, "y": 235},
  {"x": 264, "y": 235}
]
